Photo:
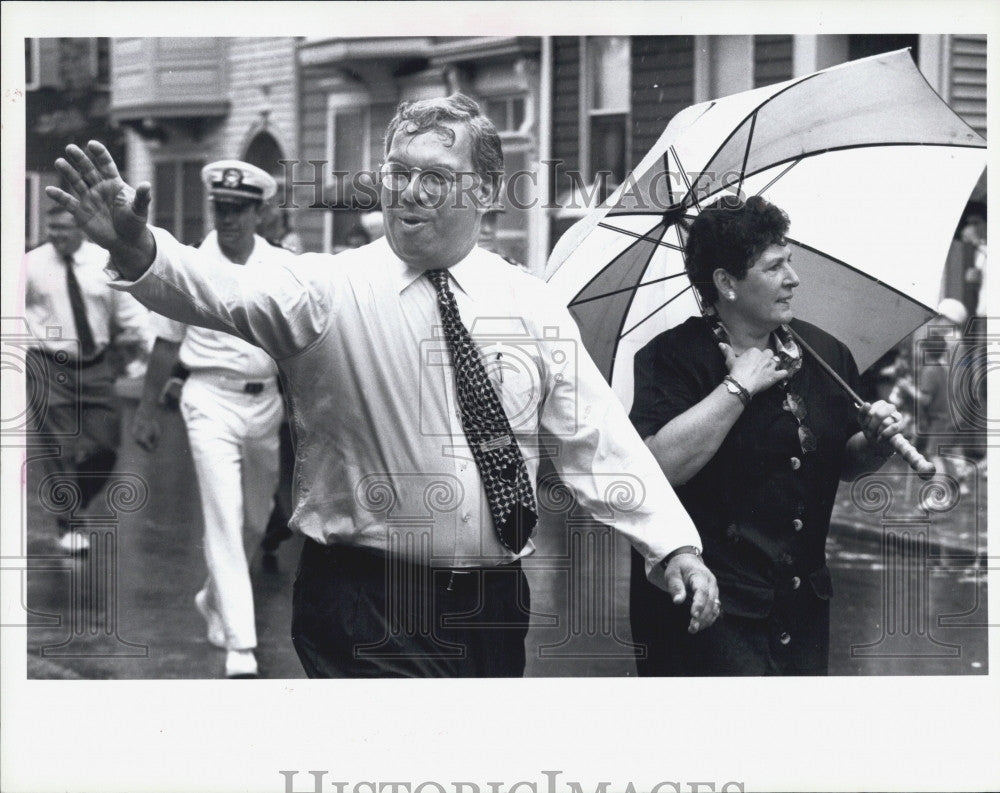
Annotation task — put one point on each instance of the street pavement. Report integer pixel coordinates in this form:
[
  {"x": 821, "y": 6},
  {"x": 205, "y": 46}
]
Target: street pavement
[{"x": 910, "y": 584}]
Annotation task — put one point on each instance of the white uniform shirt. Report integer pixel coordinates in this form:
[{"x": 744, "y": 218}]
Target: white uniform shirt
[
  {"x": 112, "y": 315},
  {"x": 204, "y": 349},
  {"x": 381, "y": 457}
]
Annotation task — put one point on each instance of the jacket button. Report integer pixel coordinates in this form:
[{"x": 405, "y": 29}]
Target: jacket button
[
  {"x": 797, "y": 524},
  {"x": 796, "y": 463},
  {"x": 796, "y": 582},
  {"x": 784, "y": 638}
]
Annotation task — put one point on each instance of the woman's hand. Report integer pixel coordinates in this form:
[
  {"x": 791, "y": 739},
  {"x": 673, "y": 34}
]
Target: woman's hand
[
  {"x": 756, "y": 370},
  {"x": 879, "y": 422}
]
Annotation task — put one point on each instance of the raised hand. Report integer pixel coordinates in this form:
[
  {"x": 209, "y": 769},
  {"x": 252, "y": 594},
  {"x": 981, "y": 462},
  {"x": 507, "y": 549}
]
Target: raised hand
[
  {"x": 109, "y": 211},
  {"x": 756, "y": 370}
]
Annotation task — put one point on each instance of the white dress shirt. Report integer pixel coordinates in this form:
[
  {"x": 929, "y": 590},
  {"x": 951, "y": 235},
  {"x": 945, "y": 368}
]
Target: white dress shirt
[
  {"x": 112, "y": 315},
  {"x": 381, "y": 457},
  {"x": 204, "y": 349}
]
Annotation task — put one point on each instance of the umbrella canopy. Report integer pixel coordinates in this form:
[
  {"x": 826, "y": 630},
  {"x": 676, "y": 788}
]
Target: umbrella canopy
[{"x": 872, "y": 167}]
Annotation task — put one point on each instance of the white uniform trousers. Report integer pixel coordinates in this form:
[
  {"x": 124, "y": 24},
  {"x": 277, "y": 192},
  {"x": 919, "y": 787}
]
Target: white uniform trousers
[{"x": 234, "y": 444}]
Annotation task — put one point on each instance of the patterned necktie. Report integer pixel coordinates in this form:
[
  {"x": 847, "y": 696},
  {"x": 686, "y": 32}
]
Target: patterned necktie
[
  {"x": 501, "y": 466},
  {"x": 83, "y": 332}
]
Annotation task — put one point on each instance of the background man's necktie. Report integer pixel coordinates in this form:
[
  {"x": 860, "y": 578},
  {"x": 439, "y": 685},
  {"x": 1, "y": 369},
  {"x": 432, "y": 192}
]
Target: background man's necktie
[
  {"x": 501, "y": 466},
  {"x": 83, "y": 332}
]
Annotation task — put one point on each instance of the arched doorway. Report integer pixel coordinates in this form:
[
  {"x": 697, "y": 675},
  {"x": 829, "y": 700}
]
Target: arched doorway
[
  {"x": 277, "y": 225},
  {"x": 265, "y": 152}
]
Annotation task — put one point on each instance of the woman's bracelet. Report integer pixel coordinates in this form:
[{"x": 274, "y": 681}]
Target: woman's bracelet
[{"x": 735, "y": 387}]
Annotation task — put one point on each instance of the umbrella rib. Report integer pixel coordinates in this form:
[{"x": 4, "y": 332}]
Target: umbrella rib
[
  {"x": 611, "y": 264},
  {"x": 666, "y": 169},
  {"x": 737, "y": 128},
  {"x": 638, "y": 236},
  {"x": 770, "y": 184},
  {"x": 627, "y": 213},
  {"x": 862, "y": 273},
  {"x": 654, "y": 312},
  {"x": 746, "y": 153},
  {"x": 687, "y": 182},
  {"x": 634, "y": 288}
]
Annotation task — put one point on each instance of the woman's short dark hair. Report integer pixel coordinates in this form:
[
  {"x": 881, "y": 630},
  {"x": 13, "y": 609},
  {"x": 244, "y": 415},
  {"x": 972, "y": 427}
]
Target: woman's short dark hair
[
  {"x": 426, "y": 114},
  {"x": 731, "y": 234}
]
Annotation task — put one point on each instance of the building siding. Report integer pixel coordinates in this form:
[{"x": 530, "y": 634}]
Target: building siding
[
  {"x": 662, "y": 86},
  {"x": 565, "y": 108},
  {"x": 968, "y": 80},
  {"x": 262, "y": 94},
  {"x": 312, "y": 146},
  {"x": 772, "y": 60}
]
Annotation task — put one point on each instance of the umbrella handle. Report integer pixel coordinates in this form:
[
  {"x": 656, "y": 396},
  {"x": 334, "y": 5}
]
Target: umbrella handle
[{"x": 925, "y": 468}]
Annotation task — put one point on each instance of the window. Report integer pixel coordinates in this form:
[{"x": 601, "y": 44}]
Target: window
[
  {"x": 506, "y": 112},
  {"x": 178, "y": 199},
  {"x": 607, "y": 91},
  {"x": 505, "y": 229}
]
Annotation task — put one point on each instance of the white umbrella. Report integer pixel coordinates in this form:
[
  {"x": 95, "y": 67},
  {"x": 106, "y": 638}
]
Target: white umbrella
[{"x": 872, "y": 167}]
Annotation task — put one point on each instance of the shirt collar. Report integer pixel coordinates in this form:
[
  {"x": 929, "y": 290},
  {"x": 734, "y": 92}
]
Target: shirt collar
[{"x": 466, "y": 274}]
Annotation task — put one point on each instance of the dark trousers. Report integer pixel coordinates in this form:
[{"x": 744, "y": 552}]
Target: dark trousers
[
  {"x": 794, "y": 639},
  {"x": 361, "y": 613},
  {"x": 72, "y": 408}
]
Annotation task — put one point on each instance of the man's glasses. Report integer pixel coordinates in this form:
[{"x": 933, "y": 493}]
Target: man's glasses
[
  {"x": 430, "y": 183},
  {"x": 793, "y": 404}
]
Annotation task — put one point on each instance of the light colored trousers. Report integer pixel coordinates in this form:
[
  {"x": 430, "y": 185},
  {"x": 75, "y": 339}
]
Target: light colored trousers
[{"x": 234, "y": 444}]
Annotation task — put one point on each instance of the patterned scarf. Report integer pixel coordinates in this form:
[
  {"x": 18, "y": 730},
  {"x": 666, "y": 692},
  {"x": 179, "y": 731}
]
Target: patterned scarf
[{"x": 784, "y": 344}]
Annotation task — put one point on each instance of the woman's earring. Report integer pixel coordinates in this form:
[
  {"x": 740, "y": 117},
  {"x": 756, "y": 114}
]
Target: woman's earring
[{"x": 731, "y": 295}]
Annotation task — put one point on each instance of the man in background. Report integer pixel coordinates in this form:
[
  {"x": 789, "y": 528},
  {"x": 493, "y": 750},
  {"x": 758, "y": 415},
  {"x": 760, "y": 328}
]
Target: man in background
[
  {"x": 76, "y": 321},
  {"x": 232, "y": 409}
]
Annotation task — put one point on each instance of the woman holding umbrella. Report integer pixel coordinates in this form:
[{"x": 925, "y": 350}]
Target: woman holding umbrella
[{"x": 754, "y": 437}]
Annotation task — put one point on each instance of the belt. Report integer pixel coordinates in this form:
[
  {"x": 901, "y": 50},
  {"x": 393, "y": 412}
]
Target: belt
[
  {"x": 371, "y": 561},
  {"x": 62, "y": 358},
  {"x": 240, "y": 384}
]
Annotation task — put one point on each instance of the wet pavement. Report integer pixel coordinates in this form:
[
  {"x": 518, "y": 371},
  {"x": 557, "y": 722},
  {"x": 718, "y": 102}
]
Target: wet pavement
[{"x": 910, "y": 584}]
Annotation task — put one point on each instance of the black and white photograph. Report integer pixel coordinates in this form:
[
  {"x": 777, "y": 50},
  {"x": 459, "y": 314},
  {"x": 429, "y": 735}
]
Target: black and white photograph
[{"x": 639, "y": 352}]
